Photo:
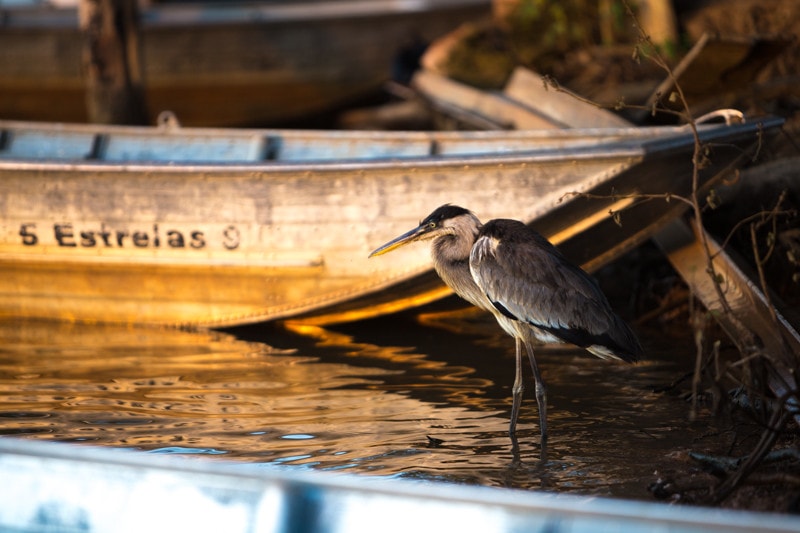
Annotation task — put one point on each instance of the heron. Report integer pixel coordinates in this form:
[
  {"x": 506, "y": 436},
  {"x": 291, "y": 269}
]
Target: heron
[{"x": 537, "y": 295}]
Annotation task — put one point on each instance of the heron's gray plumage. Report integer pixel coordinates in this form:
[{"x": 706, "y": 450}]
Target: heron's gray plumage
[
  {"x": 530, "y": 280},
  {"x": 535, "y": 294}
]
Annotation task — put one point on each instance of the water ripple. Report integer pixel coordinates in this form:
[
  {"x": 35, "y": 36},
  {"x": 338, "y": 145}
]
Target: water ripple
[{"x": 385, "y": 398}]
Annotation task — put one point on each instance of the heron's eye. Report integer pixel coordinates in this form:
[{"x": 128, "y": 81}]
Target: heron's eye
[{"x": 431, "y": 225}]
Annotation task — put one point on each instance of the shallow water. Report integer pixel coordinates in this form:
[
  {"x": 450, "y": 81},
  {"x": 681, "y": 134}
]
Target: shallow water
[{"x": 394, "y": 397}]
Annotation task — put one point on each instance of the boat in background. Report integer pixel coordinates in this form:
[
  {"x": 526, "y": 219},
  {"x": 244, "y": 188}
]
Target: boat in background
[
  {"x": 227, "y": 63},
  {"x": 174, "y": 225}
]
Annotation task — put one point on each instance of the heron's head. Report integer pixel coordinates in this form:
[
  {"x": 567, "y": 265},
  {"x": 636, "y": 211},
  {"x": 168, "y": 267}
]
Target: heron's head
[{"x": 445, "y": 220}]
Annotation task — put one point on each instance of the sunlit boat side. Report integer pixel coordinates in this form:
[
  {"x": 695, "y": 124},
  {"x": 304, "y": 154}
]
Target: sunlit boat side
[{"x": 177, "y": 225}]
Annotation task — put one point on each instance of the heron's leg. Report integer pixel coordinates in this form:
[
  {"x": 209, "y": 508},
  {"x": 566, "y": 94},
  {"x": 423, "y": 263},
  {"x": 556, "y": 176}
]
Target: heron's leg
[
  {"x": 516, "y": 391},
  {"x": 541, "y": 393}
]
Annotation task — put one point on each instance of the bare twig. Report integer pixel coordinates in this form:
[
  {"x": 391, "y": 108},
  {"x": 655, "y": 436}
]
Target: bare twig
[
  {"x": 550, "y": 83},
  {"x": 667, "y": 197},
  {"x": 747, "y": 347},
  {"x": 760, "y": 216},
  {"x": 770, "y": 217},
  {"x": 768, "y": 437},
  {"x": 754, "y": 368}
]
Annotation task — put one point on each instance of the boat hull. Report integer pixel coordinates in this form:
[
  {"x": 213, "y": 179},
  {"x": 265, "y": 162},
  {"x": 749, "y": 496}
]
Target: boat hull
[
  {"x": 224, "y": 244},
  {"x": 232, "y": 65}
]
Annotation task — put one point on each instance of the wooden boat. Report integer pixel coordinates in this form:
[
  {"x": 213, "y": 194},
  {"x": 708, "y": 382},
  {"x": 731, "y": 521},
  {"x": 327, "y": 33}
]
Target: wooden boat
[
  {"x": 226, "y": 64},
  {"x": 220, "y": 227}
]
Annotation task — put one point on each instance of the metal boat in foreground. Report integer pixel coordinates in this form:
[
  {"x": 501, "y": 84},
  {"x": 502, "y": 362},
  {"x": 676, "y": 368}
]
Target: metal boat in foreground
[{"x": 63, "y": 487}]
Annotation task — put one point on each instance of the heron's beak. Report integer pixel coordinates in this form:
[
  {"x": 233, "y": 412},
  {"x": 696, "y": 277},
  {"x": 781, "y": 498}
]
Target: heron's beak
[{"x": 402, "y": 240}]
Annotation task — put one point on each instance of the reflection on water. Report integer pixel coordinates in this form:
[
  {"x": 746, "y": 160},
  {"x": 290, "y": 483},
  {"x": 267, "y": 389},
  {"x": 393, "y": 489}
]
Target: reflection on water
[{"x": 388, "y": 397}]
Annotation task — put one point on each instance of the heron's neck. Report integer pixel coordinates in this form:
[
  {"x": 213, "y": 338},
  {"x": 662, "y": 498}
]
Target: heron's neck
[
  {"x": 451, "y": 261},
  {"x": 456, "y": 246}
]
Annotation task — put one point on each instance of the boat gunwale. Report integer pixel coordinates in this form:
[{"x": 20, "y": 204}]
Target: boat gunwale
[
  {"x": 633, "y": 147},
  {"x": 317, "y": 165},
  {"x": 632, "y": 132}
]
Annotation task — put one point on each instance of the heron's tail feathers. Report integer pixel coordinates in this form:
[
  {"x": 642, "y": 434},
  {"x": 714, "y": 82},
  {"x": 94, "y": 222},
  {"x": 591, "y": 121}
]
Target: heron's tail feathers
[
  {"x": 619, "y": 343},
  {"x": 604, "y": 352}
]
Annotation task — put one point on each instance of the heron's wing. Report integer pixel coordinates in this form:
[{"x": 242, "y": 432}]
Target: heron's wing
[{"x": 530, "y": 281}]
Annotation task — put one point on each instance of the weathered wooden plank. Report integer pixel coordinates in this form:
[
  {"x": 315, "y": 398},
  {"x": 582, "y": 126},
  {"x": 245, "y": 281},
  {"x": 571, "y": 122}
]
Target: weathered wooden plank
[
  {"x": 560, "y": 106},
  {"x": 111, "y": 61},
  {"x": 749, "y": 318},
  {"x": 488, "y": 110}
]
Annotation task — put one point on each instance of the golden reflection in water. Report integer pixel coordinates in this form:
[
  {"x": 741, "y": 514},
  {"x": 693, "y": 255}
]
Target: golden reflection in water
[
  {"x": 206, "y": 392},
  {"x": 389, "y": 397},
  {"x": 460, "y": 382}
]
